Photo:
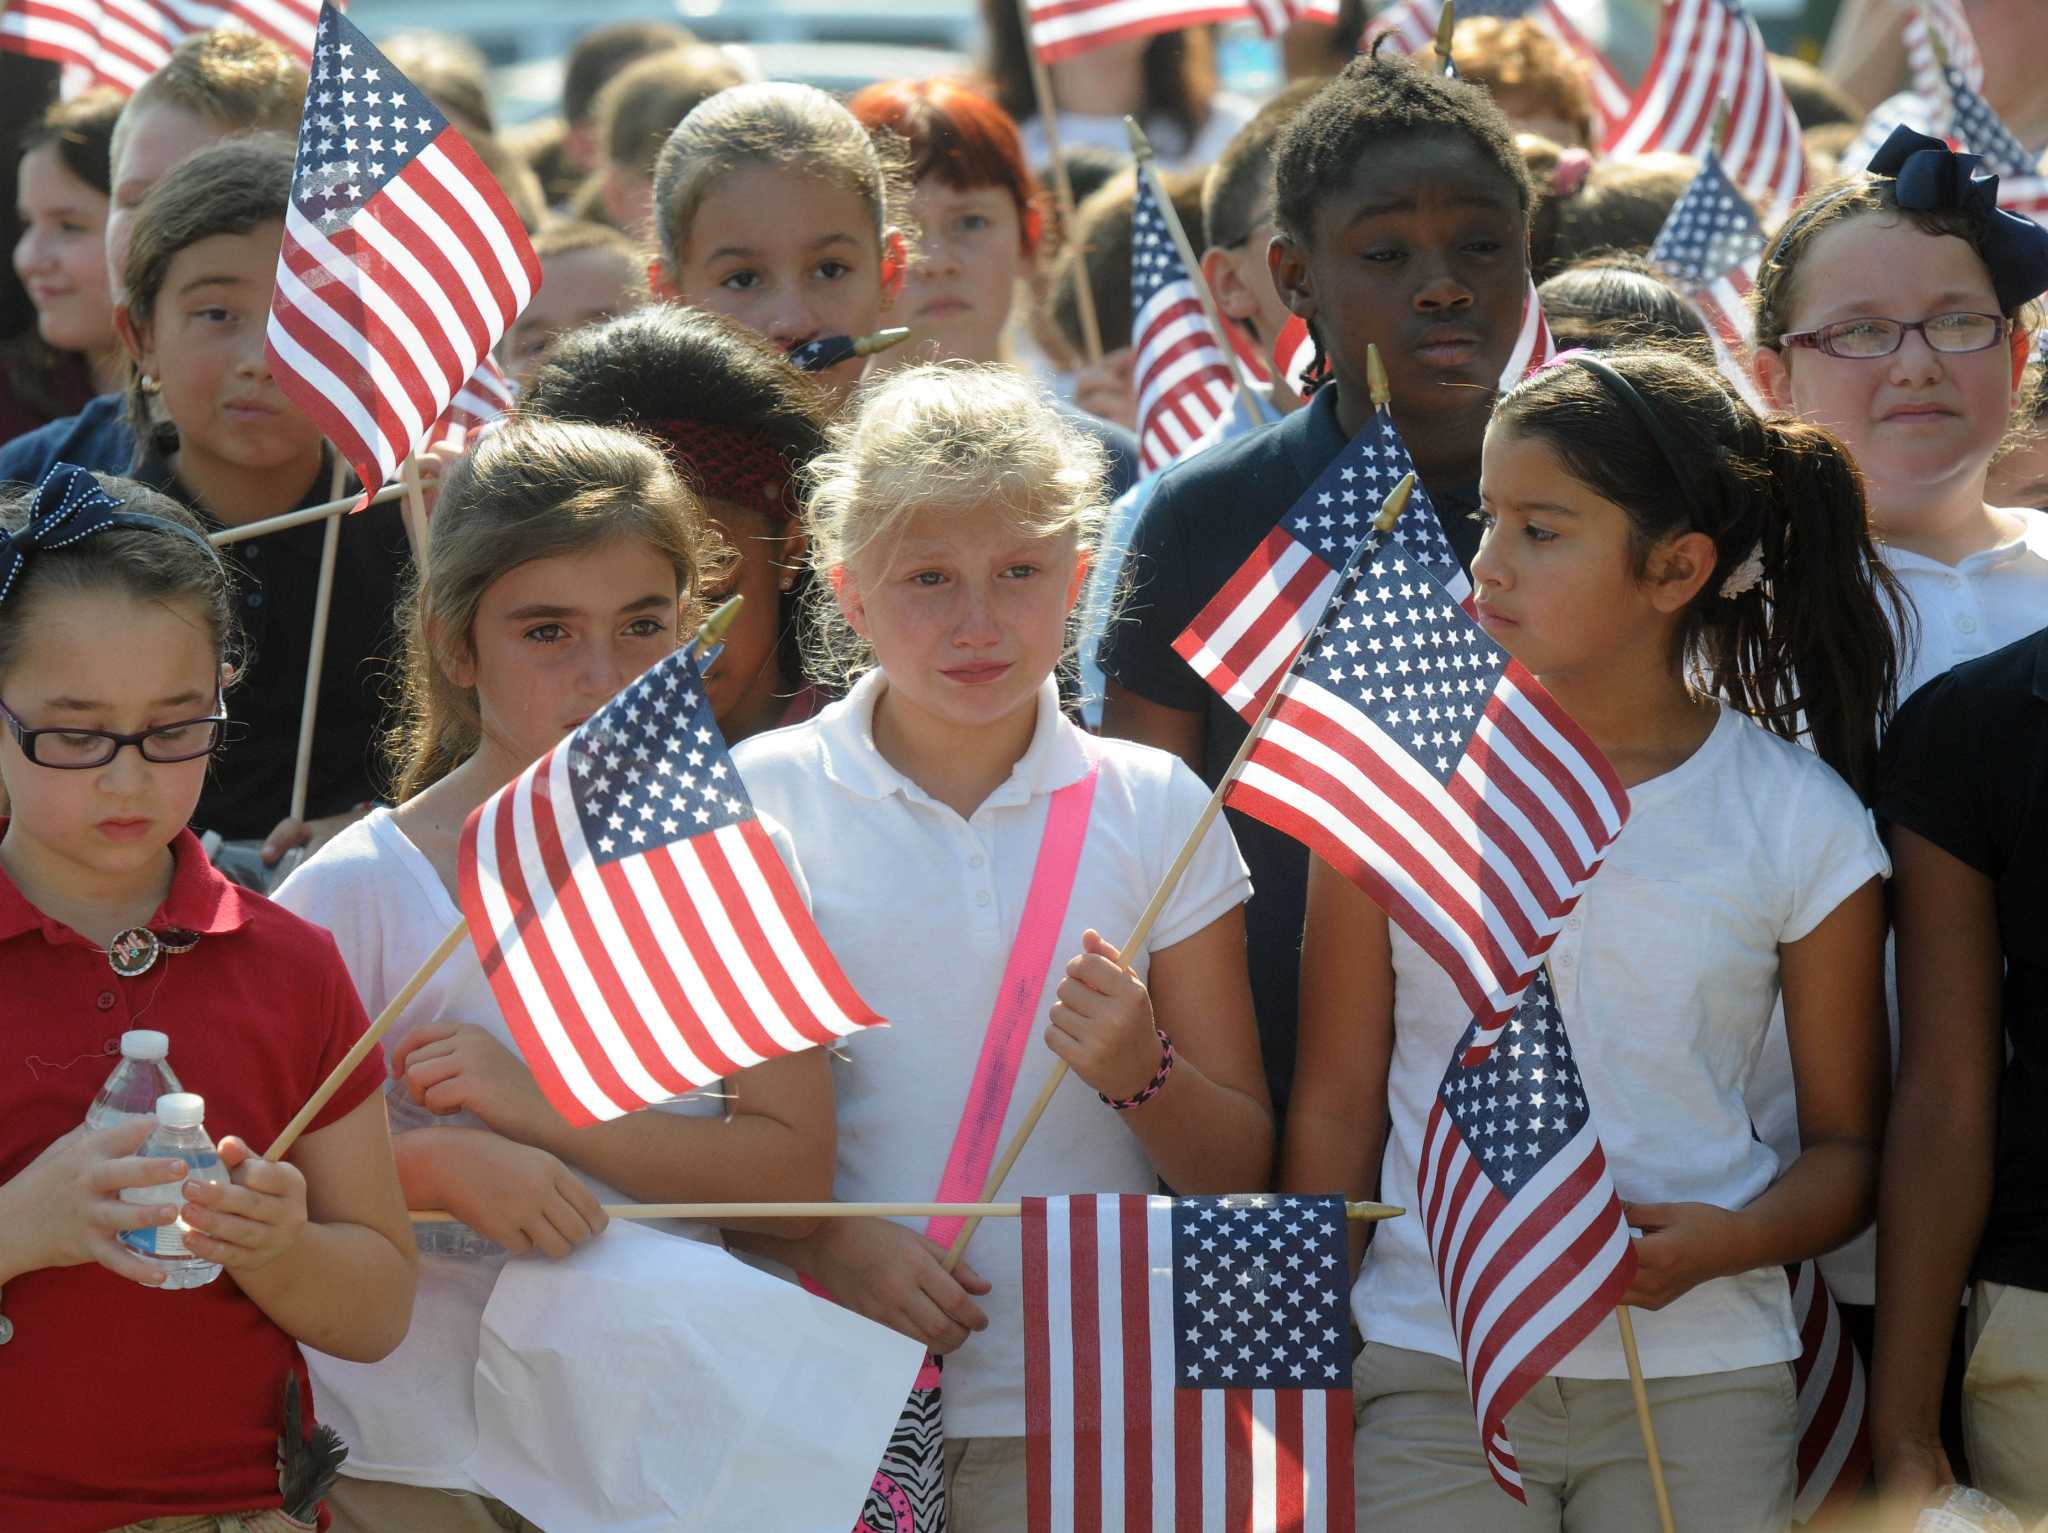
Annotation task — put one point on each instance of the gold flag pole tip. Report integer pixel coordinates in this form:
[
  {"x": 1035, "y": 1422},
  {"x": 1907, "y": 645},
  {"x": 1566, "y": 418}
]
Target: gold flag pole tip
[
  {"x": 1376, "y": 384},
  {"x": 881, "y": 340},
  {"x": 1397, "y": 502},
  {"x": 712, "y": 631}
]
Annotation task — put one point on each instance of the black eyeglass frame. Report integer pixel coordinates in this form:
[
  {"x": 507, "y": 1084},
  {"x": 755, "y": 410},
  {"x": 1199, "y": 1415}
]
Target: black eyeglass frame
[
  {"x": 225, "y": 731},
  {"x": 1817, "y": 339}
]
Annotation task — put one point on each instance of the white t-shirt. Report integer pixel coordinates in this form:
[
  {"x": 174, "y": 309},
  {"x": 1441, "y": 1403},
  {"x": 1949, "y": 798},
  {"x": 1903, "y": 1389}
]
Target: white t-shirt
[
  {"x": 411, "y": 1418},
  {"x": 1665, "y": 974},
  {"x": 1995, "y": 597},
  {"x": 1227, "y": 113},
  {"x": 920, "y": 907}
]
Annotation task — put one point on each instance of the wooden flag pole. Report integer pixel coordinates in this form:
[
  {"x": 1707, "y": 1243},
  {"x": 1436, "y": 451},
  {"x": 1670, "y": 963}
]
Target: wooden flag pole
[
  {"x": 300, "y": 518},
  {"x": 1390, "y": 512},
  {"x": 723, "y": 1212},
  {"x": 712, "y": 630},
  {"x": 316, "y": 655},
  {"x": 1062, "y": 187},
  {"x": 1148, "y": 168},
  {"x": 1642, "y": 1394}
]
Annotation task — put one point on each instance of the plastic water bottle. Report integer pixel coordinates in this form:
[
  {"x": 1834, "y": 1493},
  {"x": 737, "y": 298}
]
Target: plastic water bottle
[
  {"x": 138, "y": 1080},
  {"x": 180, "y": 1135},
  {"x": 443, "y": 1237},
  {"x": 1963, "y": 1510}
]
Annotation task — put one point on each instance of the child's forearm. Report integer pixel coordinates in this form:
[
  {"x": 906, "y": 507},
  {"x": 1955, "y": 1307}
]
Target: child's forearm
[
  {"x": 343, "y": 1289},
  {"x": 1824, "y": 1200},
  {"x": 1204, "y": 1137}
]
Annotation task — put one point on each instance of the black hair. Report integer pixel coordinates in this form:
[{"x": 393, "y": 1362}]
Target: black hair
[
  {"x": 1811, "y": 648},
  {"x": 147, "y": 564},
  {"x": 1380, "y": 100},
  {"x": 1610, "y": 301}
]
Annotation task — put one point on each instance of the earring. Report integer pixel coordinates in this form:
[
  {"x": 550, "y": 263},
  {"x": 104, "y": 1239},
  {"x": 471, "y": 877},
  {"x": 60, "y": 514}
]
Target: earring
[{"x": 786, "y": 584}]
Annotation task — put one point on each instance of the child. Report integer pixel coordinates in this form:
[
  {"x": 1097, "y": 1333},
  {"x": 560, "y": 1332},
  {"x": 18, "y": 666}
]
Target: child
[
  {"x": 1686, "y": 580},
  {"x": 951, "y": 524},
  {"x": 773, "y": 206},
  {"x": 1923, "y": 411},
  {"x": 216, "y": 84},
  {"x": 635, "y": 113},
  {"x": 563, "y": 561},
  {"x": 1965, "y": 1188},
  {"x": 739, "y": 424},
  {"x": 61, "y": 258},
  {"x": 116, "y": 621},
  {"x": 587, "y": 273},
  {"x": 1403, "y": 207},
  {"x": 219, "y": 435}
]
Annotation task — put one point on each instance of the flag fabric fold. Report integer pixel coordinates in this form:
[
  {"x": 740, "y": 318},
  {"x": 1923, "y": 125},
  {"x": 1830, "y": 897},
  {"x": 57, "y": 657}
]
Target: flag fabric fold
[
  {"x": 403, "y": 262},
  {"x": 1524, "y": 1226},
  {"x": 1181, "y": 374},
  {"x": 1187, "y": 1364},
  {"x": 1417, "y": 758},
  {"x": 637, "y": 926},
  {"x": 1834, "y": 1442},
  {"x": 121, "y": 43},
  {"x": 1242, "y": 642}
]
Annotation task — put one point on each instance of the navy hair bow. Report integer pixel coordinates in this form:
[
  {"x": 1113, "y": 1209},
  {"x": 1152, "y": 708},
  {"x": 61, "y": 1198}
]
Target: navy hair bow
[
  {"x": 1930, "y": 177},
  {"x": 70, "y": 506}
]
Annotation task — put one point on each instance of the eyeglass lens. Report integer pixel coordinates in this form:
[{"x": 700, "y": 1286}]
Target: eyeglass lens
[
  {"x": 83, "y": 748},
  {"x": 1882, "y": 337}
]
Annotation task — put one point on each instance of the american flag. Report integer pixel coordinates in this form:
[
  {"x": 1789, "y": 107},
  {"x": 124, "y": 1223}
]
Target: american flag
[
  {"x": 1242, "y": 642},
  {"x": 1709, "y": 52},
  {"x": 1709, "y": 248},
  {"x": 1530, "y": 1244},
  {"x": 1534, "y": 349},
  {"x": 1973, "y": 125},
  {"x": 1062, "y": 28},
  {"x": 1182, "y": 374},
  {"x": 639, "y": 931},
  {"x": 1276, "y": 16},
  {"x": 1414, "y": 756},
  {"x": 402, "y": 262},
  {"x": 123, "y": 42},
  {"x": 1187, "y": 1364},
  {"x": 1414, "y": 23},
  {"x": 1834, "y": 1446},
  {"x": 1943, "y": 22},
  {"x": 477, "y": 407},
  {"x": 1293, "y": 350}
]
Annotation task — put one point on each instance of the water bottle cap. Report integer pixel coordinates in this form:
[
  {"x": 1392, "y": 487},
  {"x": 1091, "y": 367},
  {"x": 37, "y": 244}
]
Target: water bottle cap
[
  {"x": 142, "y": 1043},
  {"x": 180, "y": 1109}
]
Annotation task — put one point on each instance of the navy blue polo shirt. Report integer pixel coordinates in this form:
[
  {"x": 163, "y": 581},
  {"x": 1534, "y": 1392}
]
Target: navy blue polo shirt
[{"x": 97, "y": 437}]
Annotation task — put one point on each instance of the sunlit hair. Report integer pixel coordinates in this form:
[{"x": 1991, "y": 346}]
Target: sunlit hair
[
  {"x": 949, "y": 437},
  {"x": 532, "y": 489}
]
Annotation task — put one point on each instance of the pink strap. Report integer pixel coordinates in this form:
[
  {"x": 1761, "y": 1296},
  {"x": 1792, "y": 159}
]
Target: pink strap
[{"x": 1011, "y": 1025}]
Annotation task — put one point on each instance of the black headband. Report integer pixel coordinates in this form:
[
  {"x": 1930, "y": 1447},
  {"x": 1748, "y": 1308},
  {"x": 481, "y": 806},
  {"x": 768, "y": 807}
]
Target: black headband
[{"x": 70, "y": 506}]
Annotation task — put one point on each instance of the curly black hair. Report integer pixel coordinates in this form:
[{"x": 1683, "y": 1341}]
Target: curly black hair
[{"x": 1380, "y": 100}]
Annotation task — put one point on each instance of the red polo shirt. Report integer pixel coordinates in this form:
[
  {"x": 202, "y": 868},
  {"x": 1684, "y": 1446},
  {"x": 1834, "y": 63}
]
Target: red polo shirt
[{"x": 125, "y": 1402}]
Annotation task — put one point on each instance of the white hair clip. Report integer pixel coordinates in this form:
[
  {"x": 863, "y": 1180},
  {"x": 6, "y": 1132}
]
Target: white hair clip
[{"x": 1747, "y": 575}]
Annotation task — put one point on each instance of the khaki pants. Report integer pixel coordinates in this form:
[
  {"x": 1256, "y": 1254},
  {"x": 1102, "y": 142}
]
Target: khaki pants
[
  {"x": 380, "y": 1506},
  {"x": 271, "y": 1521},
  {"x": 2005, "y": 1395},
  {"x": 1727, "y": 1441},
  {"x": 985, "y": 1485}
]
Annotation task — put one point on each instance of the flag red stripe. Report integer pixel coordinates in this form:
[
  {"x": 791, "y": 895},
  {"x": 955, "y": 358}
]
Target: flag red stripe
[
  {"x": 1187, "y": 1458},
  {"x": 1237, "y": 1461},
  {"x": 1134, "y": 1237},
  {"x": 1037, "y": 1368},
  {"x": 1338, "y": 1429},
  {"x": 1086, "y": 1318},
  {"x": 1288, "y": 1470}
]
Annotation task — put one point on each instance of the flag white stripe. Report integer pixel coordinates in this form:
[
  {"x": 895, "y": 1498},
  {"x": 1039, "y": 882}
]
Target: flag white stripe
[
  {"x": 1159, "y": 1290},
  {"x": 1215, "y": 1455},
  {"x": 1059, "y": 1275},
  {"x": 1109, "y": 1331}
]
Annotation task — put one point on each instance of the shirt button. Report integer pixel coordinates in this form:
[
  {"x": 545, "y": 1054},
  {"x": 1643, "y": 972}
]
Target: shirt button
[
  {"x": 1967, "y": 624},
  {"x": 255, "y": 598},
  {"x": 106, "y": 1000},
  {"x": 981, "y": 896},
  {"x": 1572, "y": 924},
  {"x": 976, "y": 860},
  {"x": 1565, "y": 960}
]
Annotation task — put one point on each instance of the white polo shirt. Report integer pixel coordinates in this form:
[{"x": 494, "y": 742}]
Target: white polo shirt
[
  {"x": 920, "y": 907},
  {"x": 1665, "y": 974},
  {"x": 1995, "y": 597}
]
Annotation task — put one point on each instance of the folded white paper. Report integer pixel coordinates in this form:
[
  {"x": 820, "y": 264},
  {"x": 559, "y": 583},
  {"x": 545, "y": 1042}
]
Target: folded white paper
[{"x": 651, "y": 1383}]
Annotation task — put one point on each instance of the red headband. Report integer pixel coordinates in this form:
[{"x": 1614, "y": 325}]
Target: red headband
[{"x": 731, "y": 463}]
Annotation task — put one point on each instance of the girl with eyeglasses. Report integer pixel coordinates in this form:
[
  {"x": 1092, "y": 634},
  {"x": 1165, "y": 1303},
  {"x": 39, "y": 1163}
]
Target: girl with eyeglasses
[
  {"x": 116, "y": 619},
  {"x": 1896, "y": 309}
]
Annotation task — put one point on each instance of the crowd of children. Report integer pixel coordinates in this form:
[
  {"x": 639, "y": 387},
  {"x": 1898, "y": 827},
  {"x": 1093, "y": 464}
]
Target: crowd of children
[{"x": 1800, "y": 613}]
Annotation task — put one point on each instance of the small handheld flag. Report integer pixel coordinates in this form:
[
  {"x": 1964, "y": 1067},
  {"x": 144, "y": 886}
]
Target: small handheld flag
[
  {"x": 1709, "y": 248},
  {"x": 1182, "y": 376},
  {"x": 123, "y": 42},
  {"x": 1524, "y": 1225},
  {"x": 403, "y": 262},
  {"x": 637, "y": 926}
]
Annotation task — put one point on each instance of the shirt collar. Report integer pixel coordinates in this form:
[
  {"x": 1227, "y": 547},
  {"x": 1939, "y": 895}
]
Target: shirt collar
[
  {"x": 200, "y": 900},
  {"x": 2032, "y": 539},
  {"x": 846, "y": 731}
]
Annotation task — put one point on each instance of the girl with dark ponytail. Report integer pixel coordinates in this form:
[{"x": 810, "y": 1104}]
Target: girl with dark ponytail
[{"x": 1697, "y": 588}]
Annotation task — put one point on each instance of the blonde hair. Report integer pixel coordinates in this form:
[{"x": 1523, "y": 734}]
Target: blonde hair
[
  {"x": 532, "y": 489},
  {"x": 948, "y": 436},
  {"x": 777, "y": 123}
]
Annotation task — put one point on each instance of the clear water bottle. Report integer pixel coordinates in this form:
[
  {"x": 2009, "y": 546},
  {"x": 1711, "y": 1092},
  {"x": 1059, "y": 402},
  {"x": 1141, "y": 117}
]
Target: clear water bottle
[
  {"x": 1963, "y": 1510},
  {"x": 138, "y": 1080},
  {"x": 443, "y": 1237},
  {"x": 180, "y": 1135}
]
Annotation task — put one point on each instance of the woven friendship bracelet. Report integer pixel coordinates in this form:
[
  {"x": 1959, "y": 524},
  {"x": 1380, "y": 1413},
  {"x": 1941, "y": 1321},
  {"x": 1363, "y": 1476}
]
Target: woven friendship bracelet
[{"x": 1125, "y": 1104}]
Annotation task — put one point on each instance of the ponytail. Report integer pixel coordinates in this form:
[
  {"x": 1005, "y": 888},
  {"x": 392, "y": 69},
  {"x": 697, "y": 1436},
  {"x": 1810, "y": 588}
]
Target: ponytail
[{"x": 1796, "y": 625}]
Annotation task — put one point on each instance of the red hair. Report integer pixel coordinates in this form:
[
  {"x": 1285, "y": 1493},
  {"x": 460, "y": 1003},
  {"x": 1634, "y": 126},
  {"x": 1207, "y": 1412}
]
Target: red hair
[{"x": 957, "y": 134}]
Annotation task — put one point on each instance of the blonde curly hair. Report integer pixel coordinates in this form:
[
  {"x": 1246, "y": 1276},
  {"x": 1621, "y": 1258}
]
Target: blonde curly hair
[{"x": 951, "y": 437}]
